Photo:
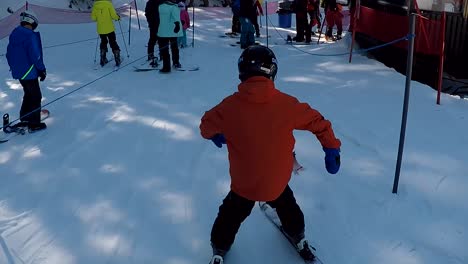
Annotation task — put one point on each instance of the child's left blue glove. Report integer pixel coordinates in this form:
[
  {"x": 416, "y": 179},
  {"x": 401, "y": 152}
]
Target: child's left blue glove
[
  {"x": 218, "y": 140},
  {"x": 332, "y": 159}
]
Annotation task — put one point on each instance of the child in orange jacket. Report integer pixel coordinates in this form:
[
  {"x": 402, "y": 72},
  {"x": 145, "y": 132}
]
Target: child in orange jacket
[{"x": 257, "y": 124}]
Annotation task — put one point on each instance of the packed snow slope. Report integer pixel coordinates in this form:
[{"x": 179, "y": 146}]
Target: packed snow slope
[{"x": 122, "y": 175}]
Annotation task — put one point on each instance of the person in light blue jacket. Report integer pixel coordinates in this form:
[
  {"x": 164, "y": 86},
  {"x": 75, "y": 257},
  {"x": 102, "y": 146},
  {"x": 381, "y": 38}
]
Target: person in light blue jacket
[
  {"x": 24, "y": 56},
  {"x": 168, "y": 32}
]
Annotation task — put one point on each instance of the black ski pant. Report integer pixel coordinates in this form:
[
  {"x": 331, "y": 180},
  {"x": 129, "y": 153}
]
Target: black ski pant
[
  {"x": 164, "y": 44},
  {"x": 256, "y": 26},
  {"x": 153, "y": 38},
  {"x": 235, "y": 209},
  {"x": 109, "y": 38},
  {"x": 302, "y": 27},
  {"x": 236, "y": 25},
  {"x": 31, "y": 101}
]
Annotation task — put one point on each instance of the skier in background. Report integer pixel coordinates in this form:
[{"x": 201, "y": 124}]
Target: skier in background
[
  {"x": 152, "y": 16},
  {"x": 103, "y": 13},
  {"x": 260, "y": 160},
  {"x": 333, "y": 17},
  {"x": 24, "y": 55},
  {"x": 185, "y": 20},
  {"x": 247, "y": 16}
]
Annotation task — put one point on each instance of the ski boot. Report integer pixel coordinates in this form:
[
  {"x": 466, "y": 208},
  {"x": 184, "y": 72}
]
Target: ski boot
[
  {"x": 302, "y": 246},
  {"x": 217, "y": 259},
  {"x": 153, "y": 61},
  {"x": 177, "y": 66},
  {"x": 6, "y": 120},
  {"x": 306, "y": 251},
  {"x": 104, "y": 60},
  {"x": 289, "y": 39},
  {"x": 117, "y": 57},
  {"x": 34, "y": 127}
]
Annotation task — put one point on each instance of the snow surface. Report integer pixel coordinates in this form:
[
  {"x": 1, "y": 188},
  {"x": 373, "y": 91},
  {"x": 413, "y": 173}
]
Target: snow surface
[{"x": 122, "y": 175}]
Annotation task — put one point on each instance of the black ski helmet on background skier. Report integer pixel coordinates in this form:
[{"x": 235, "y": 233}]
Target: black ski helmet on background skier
[
  {"x": 28, "y": 16},
  {"x": 257, "y": 60}
]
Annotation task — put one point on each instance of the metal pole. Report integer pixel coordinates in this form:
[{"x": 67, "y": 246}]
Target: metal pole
[
  {"x": 129, "y": 25},
  {"x": 123, "y": 38},
  {"x": 266, "y": 21},
  {"x": 193, "y": 26},
  {"x": 138, "y": 18},
  {"x": 409, "y": 71},
  {"x": 95, "y": 51},
  {"x": 441, "y": 56}
]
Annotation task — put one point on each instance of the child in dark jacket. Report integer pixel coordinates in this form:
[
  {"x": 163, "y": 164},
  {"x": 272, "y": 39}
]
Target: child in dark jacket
[
  {"x": 260, "y": 157},
  {"x": 152, "y": 16}
]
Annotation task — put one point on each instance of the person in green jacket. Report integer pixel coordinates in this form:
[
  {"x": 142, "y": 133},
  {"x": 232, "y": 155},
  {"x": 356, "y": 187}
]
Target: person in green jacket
[
  {"x": 103, "y": 13},
  {"x": 168, "y": 31}
]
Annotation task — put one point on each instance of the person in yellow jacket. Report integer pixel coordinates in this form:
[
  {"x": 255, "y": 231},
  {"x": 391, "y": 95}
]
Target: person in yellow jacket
[{"x": 103, "y": 13}]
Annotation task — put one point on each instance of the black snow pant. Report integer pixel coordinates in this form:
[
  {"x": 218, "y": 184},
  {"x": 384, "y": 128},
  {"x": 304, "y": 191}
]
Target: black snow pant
[
  {"x": 164, "y": 51},
  {"x": 235, "y": 26},
  {"x": 235, "y": 210},
  {"x": 256, "y": 26},
  {"x": 302, "y": 27},
  {"x": 31, "y": 101},
  {"x": 153, "y": 38},
  {"x": 109, "y": 38}
]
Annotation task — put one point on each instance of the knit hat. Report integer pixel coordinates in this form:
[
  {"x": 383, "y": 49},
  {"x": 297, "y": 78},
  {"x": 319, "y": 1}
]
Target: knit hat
[{"x": 181, "y": 4}]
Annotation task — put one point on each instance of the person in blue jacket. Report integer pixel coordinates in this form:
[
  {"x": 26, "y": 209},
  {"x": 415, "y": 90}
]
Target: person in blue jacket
[
  {"x": 24, "y": 55},
  {"x": 168, "y": 31}
]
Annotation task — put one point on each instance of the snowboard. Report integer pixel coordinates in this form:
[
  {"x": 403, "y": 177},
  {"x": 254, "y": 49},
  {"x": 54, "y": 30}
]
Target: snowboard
[
  {"x": 8, "y": 129},
  {"x": 272, "y": 216}
]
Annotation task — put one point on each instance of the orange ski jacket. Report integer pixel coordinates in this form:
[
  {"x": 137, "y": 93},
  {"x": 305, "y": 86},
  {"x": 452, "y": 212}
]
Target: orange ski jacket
[{"x": 258, "y": 123}]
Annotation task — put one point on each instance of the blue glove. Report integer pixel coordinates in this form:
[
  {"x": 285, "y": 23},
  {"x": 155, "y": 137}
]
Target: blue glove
[
  {"x": 218, "y": 140},
  {"x": 332, "y": 159}
]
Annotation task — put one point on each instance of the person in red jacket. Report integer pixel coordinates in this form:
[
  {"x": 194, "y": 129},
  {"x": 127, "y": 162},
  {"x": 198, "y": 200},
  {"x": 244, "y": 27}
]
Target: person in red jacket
[{"x": 256, "y": 123}]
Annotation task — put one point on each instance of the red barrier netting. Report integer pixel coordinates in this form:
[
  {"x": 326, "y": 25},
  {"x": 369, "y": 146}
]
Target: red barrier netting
[{"x": 386, "y": 27}]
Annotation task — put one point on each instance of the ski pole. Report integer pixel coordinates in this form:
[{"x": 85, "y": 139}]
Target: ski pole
[
  {"x": 123, "y": 37},
  {"x": 95, "y": 52},
  {"x": 193, "y": 26},
  {"x": 321, "y": 29}
]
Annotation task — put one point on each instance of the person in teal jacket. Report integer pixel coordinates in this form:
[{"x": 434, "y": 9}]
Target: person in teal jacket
[
  {"x": 103, "y": 13},
  {"x": 168, "y": 32}
]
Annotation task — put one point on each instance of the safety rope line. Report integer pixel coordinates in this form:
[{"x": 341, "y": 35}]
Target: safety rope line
[
  {"x": 407, "y": 37},
  {"x": 69, "y": 43},
  {"x": 75, "y": 90}
]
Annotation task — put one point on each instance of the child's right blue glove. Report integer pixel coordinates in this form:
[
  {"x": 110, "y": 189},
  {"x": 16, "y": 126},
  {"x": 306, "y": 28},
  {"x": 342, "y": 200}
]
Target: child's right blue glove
[{"x": 332, "y": 159}]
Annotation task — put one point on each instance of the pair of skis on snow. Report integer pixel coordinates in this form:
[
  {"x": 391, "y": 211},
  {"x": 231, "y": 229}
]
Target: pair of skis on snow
[
  {"x": 15, "y": 130},
  {"x": 272, "y": 216}
]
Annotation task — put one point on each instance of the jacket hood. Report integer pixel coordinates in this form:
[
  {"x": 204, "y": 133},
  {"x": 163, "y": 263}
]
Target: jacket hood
[{"x": 257, "y": 89}]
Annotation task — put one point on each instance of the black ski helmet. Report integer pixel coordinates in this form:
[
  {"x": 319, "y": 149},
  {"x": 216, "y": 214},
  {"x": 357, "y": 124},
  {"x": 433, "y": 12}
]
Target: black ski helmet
[{"x": 257, "y": 60}]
